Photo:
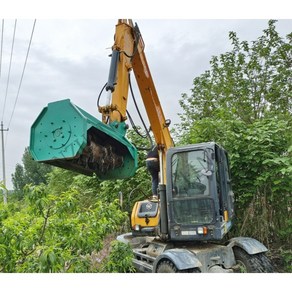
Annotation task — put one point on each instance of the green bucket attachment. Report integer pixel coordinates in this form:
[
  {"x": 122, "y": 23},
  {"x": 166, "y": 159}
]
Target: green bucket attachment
[{"x": 66, "y": 136}]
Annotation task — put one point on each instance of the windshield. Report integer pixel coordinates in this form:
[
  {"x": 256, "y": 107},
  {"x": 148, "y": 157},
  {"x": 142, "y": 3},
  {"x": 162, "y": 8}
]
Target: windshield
[
  {"x": 193, "y": 211},
  {"x": 188, "y": 177}
]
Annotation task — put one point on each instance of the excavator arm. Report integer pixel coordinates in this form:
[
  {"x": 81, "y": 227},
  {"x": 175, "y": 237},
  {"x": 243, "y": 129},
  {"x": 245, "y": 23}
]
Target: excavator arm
[
  {"x": 128, "y": 54},
  {"x": 66, "y": 136},
  {"x": 118, "y": 80}
]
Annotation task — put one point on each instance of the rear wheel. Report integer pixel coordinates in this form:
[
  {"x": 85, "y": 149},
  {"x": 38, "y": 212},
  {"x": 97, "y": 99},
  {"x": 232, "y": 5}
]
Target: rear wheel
[{"x": 246, "y": 263}]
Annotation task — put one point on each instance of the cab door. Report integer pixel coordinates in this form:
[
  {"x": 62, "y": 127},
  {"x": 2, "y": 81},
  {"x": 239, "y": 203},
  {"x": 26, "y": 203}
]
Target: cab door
[{"x": 223, "y": 180}]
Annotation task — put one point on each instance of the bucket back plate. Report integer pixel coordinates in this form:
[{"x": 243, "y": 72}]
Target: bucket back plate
[{"x": 66, "y": 136}]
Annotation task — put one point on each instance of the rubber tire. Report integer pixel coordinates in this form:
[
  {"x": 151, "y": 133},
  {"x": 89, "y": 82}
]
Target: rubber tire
[
  {"x": 167, "y": 266},
  {"x": 257, "y": 263}
]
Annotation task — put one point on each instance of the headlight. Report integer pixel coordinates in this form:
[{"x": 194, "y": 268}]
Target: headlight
[
  {"x": 137, "y": 227},
  {"x": 202, "y": 230}
]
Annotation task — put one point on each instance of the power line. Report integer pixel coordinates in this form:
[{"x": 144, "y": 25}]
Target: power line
[
  {"x": 10, "y": 62},
  {"x": 16, "y": 99}
]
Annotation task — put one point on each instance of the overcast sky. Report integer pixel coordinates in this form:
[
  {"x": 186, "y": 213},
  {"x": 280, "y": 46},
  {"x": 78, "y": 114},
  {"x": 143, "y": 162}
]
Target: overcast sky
[{"x": 69, "y": 59}]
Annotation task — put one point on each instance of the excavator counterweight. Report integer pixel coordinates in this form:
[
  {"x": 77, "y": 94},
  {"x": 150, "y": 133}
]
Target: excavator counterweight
[{"x": 66, "y": 136}]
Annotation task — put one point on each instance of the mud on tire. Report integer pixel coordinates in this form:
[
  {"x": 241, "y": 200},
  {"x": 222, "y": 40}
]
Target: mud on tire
[{"x": 246, "y": 263}]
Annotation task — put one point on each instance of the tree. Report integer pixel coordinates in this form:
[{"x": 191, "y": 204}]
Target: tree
[
  {"x": 248, "y": 83},
  {"x": 244, "y": 102},
  {"x": 31, "y": 172},
  {"x": 54, "y": 232}
]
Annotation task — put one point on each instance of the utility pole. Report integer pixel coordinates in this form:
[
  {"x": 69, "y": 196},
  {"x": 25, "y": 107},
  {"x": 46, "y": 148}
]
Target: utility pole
[{"x": 3, "y": 162}]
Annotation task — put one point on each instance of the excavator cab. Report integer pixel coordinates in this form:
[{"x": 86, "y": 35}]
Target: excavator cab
[
  {"x": 199, "y": 198},
  {"x": 199, "y": 194}
]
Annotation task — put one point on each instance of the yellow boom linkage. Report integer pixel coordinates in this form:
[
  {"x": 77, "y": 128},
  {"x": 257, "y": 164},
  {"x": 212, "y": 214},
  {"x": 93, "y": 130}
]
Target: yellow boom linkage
[{"x": 130, "y": 47}]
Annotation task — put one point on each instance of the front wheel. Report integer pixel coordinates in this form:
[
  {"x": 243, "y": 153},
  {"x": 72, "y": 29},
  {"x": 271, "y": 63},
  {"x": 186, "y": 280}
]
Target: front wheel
[
  {"x": 167, "y": 266},
  {"x": 256, "y": 263}
]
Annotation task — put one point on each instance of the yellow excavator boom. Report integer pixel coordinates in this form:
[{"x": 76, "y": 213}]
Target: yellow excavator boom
[{"x": 129, "y": 51}]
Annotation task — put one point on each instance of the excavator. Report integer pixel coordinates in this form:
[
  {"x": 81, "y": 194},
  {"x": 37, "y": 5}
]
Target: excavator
[{"x": 183, "y": 229}]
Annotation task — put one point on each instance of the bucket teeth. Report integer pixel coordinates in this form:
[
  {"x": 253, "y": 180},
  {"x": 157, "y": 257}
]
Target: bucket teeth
[{"x": 99, "y": 158}]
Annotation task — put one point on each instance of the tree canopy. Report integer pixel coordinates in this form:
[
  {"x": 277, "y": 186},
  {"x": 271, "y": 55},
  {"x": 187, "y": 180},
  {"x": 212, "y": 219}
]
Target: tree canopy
[
  {"x": 29, "y": 172},
  {"x": 62, "y": 223},
  {"x": 250, "y": 82}
]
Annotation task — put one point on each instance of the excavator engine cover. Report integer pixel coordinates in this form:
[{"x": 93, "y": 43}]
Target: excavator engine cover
[{"x": 66, "y": 136}]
